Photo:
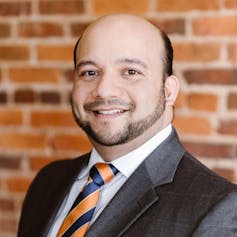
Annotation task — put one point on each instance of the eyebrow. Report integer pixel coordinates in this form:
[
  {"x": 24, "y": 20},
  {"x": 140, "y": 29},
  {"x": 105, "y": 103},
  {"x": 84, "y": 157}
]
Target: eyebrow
[
  {"x": 85, "y": 62},
  {"x": 132, "y": 61}
]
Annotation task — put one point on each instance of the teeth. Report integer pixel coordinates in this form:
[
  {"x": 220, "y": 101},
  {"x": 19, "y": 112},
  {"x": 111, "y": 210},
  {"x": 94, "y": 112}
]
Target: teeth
[{"x": 110, "y": 112}]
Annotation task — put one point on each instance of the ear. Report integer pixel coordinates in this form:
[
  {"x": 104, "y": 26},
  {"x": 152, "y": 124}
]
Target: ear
[{"x": 171, "y": 89}]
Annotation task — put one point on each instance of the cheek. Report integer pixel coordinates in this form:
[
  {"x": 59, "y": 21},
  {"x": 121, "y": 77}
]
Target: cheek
[
  {"x": 145, "y": 99},
  {"x": 77, "y": 103},
  {"x": 76, "y": 96},
  {"x": 80, "y": 94},
  {"x": 145, "y": 94}
]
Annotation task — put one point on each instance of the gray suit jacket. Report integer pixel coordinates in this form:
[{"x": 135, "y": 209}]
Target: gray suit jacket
[{"x": 170, "y": 194}]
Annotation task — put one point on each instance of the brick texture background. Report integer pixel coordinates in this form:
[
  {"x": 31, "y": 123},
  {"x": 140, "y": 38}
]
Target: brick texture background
[{"x": 36, "y": 43}]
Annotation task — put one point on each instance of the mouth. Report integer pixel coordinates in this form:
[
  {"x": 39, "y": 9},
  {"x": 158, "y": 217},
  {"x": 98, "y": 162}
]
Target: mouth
[
  {"x": 110, "y": 112},
  {"x": 108, "y": 109}
]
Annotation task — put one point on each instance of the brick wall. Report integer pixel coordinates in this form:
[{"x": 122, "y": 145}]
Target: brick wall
[{"x": 36, "y": 44}]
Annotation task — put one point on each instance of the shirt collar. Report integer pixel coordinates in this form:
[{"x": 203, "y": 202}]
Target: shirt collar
[{"x": 129, "y": 162}]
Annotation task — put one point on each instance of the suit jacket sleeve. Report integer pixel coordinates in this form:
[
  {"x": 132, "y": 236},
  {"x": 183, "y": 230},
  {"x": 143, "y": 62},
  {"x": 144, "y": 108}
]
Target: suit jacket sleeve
[{"x": 221, "y": 220}]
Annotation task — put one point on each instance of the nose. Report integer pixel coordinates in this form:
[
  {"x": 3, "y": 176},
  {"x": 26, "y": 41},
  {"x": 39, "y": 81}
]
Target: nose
[{"x": 107, "y": 86}]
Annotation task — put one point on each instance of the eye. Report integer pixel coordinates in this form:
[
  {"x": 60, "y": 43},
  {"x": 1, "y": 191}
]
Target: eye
[
  {"x": 89, "y": 73},
  {"x": 131, "y": 72}
]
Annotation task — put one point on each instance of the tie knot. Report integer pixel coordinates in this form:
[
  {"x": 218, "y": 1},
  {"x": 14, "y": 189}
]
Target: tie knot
[{"x": 102, "y": 173}]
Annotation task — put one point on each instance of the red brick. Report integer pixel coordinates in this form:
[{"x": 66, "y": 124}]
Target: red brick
[
  {"x": 102, "y": 7},
  {"x": 24, "y": 96},
  {"x": 14, "y": 52},
  {"x": 1, "y": 185},
  {"x": 5, "y": 30},
  {"x": 200, "y": 101},
  {"x": 69, "y": 97},
  {"x": 15, "y": 8},
  {"x": 55, "y": 53},
  {"x": 196, "y": 52},
  {"x": 38, "y": 162},
  {"x": 40, "y": 29},
  {"x": 26, "y": 141},
  {"x": 78, "y": 28},
  {"x": 69, "y": 75},
  {"x": 230, "y": 4},
  {"x": 228, "y": 127},
  {"x": 232, "y": 101},
  {"x": 19, "y": 201},
  {"x": 180, "y": 101},
  {"x": 3, "y": 97},
  {"x": 52, "y": 119},
  {"x": 49, "y": 97},
  {"x": 227, "y": 173},
  {"x": 186, "y": 5},
  {"x": 18, "y": 184},
  {"x": 78, "y": 142},
  {"x": 8, "y": 224},
  {"x": 170, "y": 26},
  {"x": 232, "y": 51},
  {"x": 210, "y": 150},
  {"x": 192, "y": 125},
  {"x": 211, "y": 76},
  {"x": 10, "y": 162},
  {"x": 217, "y": 26},
  {"x": 10, "y": 117},
  {"x": 61, "y": 7},
  {"x": 34, "y": 75},
  {"x": 6, "y": 204}
]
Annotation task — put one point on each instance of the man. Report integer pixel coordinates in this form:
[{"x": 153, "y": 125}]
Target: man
[{"x": 123, "y": 98}]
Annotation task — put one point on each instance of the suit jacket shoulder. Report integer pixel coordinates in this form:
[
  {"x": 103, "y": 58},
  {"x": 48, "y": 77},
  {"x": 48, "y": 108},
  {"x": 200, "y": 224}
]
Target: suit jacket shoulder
[
  {"x": 192, "y": 175},
  {"x": 211, "y": 198}
]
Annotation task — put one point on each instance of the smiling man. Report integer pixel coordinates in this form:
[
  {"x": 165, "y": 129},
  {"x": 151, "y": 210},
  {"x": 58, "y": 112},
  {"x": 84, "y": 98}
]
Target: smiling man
[{"x": 138, "y": 180}]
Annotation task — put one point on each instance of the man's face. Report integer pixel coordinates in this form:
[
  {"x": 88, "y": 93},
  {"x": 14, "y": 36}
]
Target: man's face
[{"x": 118, "y": 92}]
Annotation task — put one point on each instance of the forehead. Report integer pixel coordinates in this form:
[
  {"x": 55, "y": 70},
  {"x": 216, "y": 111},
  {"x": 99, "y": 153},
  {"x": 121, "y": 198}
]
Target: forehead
[{"x": 118, "y": 38}]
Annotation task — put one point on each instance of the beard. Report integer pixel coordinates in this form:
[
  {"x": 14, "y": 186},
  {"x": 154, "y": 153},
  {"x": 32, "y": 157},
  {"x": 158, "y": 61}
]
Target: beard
[{"x": 128, "y": 132}]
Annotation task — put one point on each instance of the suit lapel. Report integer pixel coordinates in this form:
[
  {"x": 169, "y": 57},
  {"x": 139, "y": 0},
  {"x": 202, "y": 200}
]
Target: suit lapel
[{"x": 139, "y": 193}]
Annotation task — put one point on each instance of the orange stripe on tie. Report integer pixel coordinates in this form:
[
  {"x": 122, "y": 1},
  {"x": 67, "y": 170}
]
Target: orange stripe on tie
[
  {"x": 81, "y": 231},
  {"x": 85, "y": 205},
  {"x": 105, "y": 172}
]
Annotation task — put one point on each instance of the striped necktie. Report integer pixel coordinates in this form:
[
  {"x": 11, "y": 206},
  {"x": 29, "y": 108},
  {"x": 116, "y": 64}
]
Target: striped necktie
[{"x": 78, "y": 219}]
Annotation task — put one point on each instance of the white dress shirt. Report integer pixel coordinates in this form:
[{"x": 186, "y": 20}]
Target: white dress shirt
[{"x": 126, "y": 165}]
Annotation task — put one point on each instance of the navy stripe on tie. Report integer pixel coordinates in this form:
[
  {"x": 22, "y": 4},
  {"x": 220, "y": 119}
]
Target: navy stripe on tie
[
  {"x": 114, "y": 170},
  {"x": 90, "y": 188},
  {"x": 95, "y": 175},
  {"x": 79, "y": 222}
]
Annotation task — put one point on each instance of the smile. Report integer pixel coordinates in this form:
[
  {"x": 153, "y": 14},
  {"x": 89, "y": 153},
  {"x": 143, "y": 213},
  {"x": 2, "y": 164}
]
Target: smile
[{"x": 109, "y": 112}]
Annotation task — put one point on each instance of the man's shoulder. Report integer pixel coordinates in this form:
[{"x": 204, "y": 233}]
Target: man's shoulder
[
  {"x": 195, "y": 176},
  {"x": 194, "y": 191}
]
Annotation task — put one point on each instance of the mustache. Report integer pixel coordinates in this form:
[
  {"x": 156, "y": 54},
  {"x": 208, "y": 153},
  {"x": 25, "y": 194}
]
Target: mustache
[{"x": 112, "y": 102}]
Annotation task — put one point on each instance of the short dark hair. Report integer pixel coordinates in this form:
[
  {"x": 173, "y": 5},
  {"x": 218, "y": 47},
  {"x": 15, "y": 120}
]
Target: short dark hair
[
  {"x": 167, "y": 59},
  {"x": 75, "y": 53},
  {"x": 168, "y": 54}
]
